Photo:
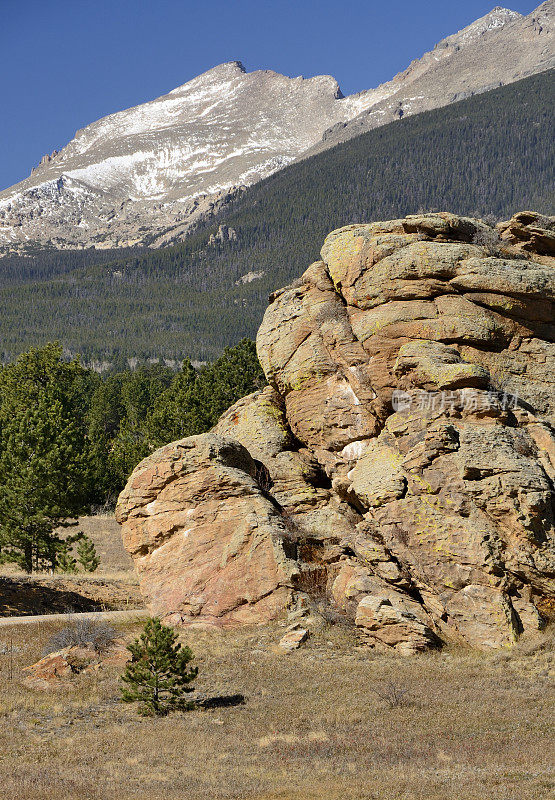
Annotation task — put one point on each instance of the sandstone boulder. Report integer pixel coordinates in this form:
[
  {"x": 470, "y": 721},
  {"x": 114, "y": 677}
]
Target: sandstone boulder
[
  {"x": 56, "y": 669},
  {"x": 293, "y": 639},
  {"x": 530, "y": 232},
  {"x": 388, "y": 626},
  {"x": 209, "y": 546},
  {"x": 401, "y": 463}
]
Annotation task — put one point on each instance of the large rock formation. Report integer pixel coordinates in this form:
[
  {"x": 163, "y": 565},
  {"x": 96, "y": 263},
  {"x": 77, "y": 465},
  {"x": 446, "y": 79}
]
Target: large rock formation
[{"x": 400, "y": 466}]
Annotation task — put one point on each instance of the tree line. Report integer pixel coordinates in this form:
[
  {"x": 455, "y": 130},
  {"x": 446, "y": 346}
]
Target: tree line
[{"x": 69, "y": 438}]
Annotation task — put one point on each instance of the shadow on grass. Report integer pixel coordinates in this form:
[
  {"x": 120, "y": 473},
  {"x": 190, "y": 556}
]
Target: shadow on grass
[{"x": 25, "y": 597}]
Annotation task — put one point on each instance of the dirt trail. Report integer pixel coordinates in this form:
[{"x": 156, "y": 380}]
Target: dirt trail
[{"x": 138, "y": 613}]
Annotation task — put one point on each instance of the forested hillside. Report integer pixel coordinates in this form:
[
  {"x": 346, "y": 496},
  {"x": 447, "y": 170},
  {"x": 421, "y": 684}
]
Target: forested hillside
[
  {"x": 69, "y": 438},
  {"x": 489, "y": 155}
]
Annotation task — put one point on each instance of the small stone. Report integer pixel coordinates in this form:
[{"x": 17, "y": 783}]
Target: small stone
[
  {"x": 294, "y": 627},
  {"x": 293, "y": 639},
  {"x": 298, "y": 614}
]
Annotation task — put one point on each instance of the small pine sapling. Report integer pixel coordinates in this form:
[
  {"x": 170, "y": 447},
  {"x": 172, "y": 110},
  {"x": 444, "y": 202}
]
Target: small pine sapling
[
  {"x": 158, "y": 675},
  {"x": 87, "y": 555},
  {"x": 65, "y": 561}
]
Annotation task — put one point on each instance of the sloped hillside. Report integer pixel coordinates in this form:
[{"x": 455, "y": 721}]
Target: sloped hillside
[
  {"x": 490, "y": 154},
  {"x": 499, "y": 48},
  {"x": 144, "y": 175}
]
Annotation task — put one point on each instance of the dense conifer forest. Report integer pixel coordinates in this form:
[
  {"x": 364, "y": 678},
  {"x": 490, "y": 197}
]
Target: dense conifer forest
[
  {"x": 69, "y": 438},
  {"x": 491, "y": 154}
]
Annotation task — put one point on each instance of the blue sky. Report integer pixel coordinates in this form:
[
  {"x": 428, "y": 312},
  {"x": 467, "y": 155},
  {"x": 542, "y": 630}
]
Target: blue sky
[{"x": 66, "y": 63}]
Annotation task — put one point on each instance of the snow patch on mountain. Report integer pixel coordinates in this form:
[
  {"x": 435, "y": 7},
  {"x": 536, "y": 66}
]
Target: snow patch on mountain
[{"x": 146, "y": 173}]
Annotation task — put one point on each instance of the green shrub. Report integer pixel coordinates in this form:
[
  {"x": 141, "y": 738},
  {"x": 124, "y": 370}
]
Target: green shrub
[{"x": 158, "y": 675}]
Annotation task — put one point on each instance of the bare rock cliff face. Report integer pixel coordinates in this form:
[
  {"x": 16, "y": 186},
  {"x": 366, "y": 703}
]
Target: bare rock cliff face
[{"x": 401, "y": 464}]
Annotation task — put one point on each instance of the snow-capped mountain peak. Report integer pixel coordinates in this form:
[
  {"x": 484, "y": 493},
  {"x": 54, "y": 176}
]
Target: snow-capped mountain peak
[
  {"x": 225, "y": 128},
  {"x": 143, "y": 175}
]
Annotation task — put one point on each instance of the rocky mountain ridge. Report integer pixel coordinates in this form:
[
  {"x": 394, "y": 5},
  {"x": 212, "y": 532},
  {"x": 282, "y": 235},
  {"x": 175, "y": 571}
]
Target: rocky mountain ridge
[
  {"x": 144, "y": 175},
  {"x": 497, "y": 49},
  {"x": 141, "y": 175},
  {"x": 400, "y": 467}
]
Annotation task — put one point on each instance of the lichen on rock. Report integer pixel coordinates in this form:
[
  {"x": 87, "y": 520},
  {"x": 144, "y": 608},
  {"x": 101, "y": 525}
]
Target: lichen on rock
[{"x": 401, "y": 463}]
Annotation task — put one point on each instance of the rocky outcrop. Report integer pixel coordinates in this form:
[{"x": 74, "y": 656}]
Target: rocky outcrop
[
  {"x": 46, "y": 159},
  {"x": 223, "y": 234},
  {"x": 530, "y": 233},
  {"x": 55, "y": 669},
  {"x": 399, "y": 467},
  {"x": 208, "y": 544}
]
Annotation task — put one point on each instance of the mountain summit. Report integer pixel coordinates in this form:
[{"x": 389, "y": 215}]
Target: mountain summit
[
  {"x": 159, "y": 163},
  {"x": 143, "y": 175}
]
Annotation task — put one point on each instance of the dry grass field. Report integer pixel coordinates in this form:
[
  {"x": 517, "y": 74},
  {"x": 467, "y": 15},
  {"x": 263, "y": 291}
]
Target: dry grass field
[
  {"x": 106, "y": 536},
  {"x": 314, "y": 727}
]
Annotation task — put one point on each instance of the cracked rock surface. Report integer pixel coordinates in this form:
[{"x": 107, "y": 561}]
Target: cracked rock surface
[{"x": 400, "y": 464}]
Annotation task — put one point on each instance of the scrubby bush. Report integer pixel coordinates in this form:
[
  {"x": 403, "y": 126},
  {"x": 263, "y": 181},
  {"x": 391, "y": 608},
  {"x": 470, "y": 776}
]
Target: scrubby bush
[
  {"x": 489, "y": 239},
  {"x": 393, "y": 694},
  {"x": 82, "y": 633}
]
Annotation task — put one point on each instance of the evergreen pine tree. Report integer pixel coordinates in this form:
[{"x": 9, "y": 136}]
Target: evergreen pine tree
[
  {"x": 86, "y": 554},
  {"x": 44, "y": 455},
  {"x": 158, "y": 675},
  {"x": 65, "y": 561},
  {"x": 177, "y": 413},
  {"x": 195, "y": 400},
  {"x": 128, "y": 398}
]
